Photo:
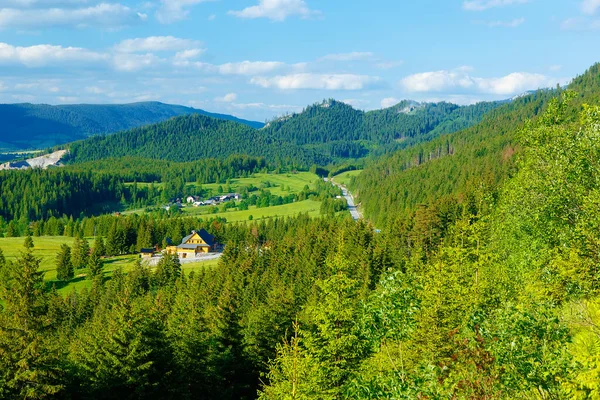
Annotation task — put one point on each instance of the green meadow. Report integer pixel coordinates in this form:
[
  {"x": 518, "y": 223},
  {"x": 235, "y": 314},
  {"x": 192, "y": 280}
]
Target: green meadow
[
  {"x": 47, "y": 247},
  {"x": 345, "y": 177}
]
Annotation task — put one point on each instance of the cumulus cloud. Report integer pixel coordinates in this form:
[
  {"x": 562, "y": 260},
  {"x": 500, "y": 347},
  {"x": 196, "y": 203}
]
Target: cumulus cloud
[
  {"x": 354, "y": 56},
  {"x": 110, "y": 15},
  {"x": 250, "y": 67},
  {"x": 482, "y": 5},
  {"x": 175, "y": 10},
  {"x": 440, "y": 81},
  {"x": 156, "y": 44},
  {"x": 189, "y": 54},
  {"x": 276, "y": 10},
  {"x": 389, "y": 102},
  {"x": 45, "y": 54},
  {"x": 590, "y": 6},
  {"x": 228, "y": 98},
  {"x": 316, "y": 81},
  {"x": 129, "y": 62}
]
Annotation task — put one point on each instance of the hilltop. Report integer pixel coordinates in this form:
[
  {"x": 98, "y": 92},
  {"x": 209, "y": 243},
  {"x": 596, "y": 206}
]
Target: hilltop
[
  {"x": 41, "y": 125},
  {"x": 322, "y": 133}
]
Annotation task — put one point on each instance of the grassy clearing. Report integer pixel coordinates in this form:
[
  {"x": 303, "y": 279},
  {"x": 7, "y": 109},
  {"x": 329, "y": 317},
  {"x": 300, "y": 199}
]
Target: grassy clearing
[
  {"x": 46, "y": 248},
  {"x": 292, "y": 183},
  {"x": 295, "y": 182},
  {"x": 345, "y": 177},
  {"x": 286, "y": 210}
]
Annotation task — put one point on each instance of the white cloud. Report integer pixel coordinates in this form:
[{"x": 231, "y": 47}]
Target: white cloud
[
  {"x": 188, "y": 54},
  {"x": 271, "y": 107},
  {"x": 175, "y": 10},
  {"x": 482, "y": 5},
  {"x": 388, "y": 64},
  {"x": 354, "y": 56},
  {"x": 39, "y": 3},
  {"x": 67, "y": 99},
  {"x": 590, "y": 6},
  {"x": 317, "y": 81},
  {"x": 580, "y": 24},
  {"x": 212, "y": 17},
  {"x": 250, "y": 67},
  {"x": 514, "y": 83},
  {"x": 389, "y": 102},
  {"x": 228, "y": 98},
  {"x": 555, "y": 68},
  {"x": 45, "y": 54},
  {"x": 440, "y": 81},
  {"x": 128, "y": 62},
  {"x": 104, "y": 14},
  {"x": 95, "y": 90},
  {"x": 276, "y": 10},
  {"x": 506, "y": 24},
  {"x": 155, "y": 44},
  {"x": 436, "y": 81}
]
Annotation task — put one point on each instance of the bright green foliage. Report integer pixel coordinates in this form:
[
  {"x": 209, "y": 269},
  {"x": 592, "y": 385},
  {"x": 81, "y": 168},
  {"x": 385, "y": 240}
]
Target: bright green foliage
[
  {"x": 28, "y": 367},
  {"x": 167, "y": 271},
  {"x": 95, "y": 264},
  {"x": 117, "y": 352},
  {"x": 80, "y": 253},
  {"x": 64, "y": 266}
]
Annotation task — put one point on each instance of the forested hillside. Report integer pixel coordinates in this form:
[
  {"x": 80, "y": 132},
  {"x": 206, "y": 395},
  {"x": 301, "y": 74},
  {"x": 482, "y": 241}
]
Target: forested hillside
[
  {"x": 448, "y": 165},
  {"x": 36, "y": 126},
  {"x": 493, "y": 295},
  {"x": 191, "y": 138},
  {"x": 321, "y": 134}
]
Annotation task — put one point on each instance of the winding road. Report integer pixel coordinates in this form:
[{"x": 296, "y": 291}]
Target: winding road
[{"x": 356, "y": 215}]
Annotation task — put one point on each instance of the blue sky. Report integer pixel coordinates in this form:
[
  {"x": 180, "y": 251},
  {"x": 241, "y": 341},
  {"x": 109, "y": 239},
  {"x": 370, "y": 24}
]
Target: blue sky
[{"x": 258, "y": 59}]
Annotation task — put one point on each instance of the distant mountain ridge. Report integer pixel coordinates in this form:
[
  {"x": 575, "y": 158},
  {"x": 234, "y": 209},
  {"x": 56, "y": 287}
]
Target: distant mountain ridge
[
  {"x": 322, "y": 133},
  {"x": 36, "y": 126}
]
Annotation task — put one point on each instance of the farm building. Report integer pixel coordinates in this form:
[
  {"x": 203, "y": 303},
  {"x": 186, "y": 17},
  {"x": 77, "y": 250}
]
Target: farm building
[
  {"x": 147, "y": 253},
  {"x": 198, "y": 242}
]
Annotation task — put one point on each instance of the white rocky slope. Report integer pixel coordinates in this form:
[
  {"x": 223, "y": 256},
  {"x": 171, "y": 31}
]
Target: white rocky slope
[{"x": 45, "y": 161}]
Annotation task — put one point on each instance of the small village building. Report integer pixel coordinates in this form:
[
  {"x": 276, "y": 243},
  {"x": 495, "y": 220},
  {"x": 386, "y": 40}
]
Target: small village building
[
  {"x": 197, "y": 243},
  {"x": 192, "y": 199},
  {"x": 147, "y": 253}
]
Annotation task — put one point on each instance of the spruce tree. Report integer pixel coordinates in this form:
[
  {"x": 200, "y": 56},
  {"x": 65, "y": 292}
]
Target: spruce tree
[
  {"x": 27, "y": 365},
  {"x": 78, "y": 257},
  {"x": 95, "y": 265},
  {"x": 64, "y": 267}
]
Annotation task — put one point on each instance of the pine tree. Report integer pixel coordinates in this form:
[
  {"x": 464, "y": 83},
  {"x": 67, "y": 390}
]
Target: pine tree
[
  {"x": 79, "y": 253},
  {"x": 64, "y": 267},
  {"x": 99, "y": 247},
  {"x": 27, "y": 367},
  {"x": 95, "y": 265},
  {"x": 168, "y": 270},
  {"x": 28, "y": 243}
]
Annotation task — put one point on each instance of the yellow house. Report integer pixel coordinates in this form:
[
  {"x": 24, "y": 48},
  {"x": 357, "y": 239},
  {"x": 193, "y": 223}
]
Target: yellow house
[{"x": 199, "y": 242}]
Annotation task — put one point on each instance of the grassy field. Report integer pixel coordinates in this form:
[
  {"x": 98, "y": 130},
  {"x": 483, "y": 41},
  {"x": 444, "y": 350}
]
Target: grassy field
[
  {"x": 279, "y": 184},
  {"x": 46, "y": 248},
  {"x": 286, "y": 210},
  {"x": 295, "y": 182},
  {"x": 345, "y": 177}
]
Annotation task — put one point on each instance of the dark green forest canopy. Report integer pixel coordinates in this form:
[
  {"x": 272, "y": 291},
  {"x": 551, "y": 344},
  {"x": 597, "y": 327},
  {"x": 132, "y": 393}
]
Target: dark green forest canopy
[
  {"x": 321, "y": 134},
  {"x": 35, "y": 126},
  {"x": 448, "y": 165}
]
